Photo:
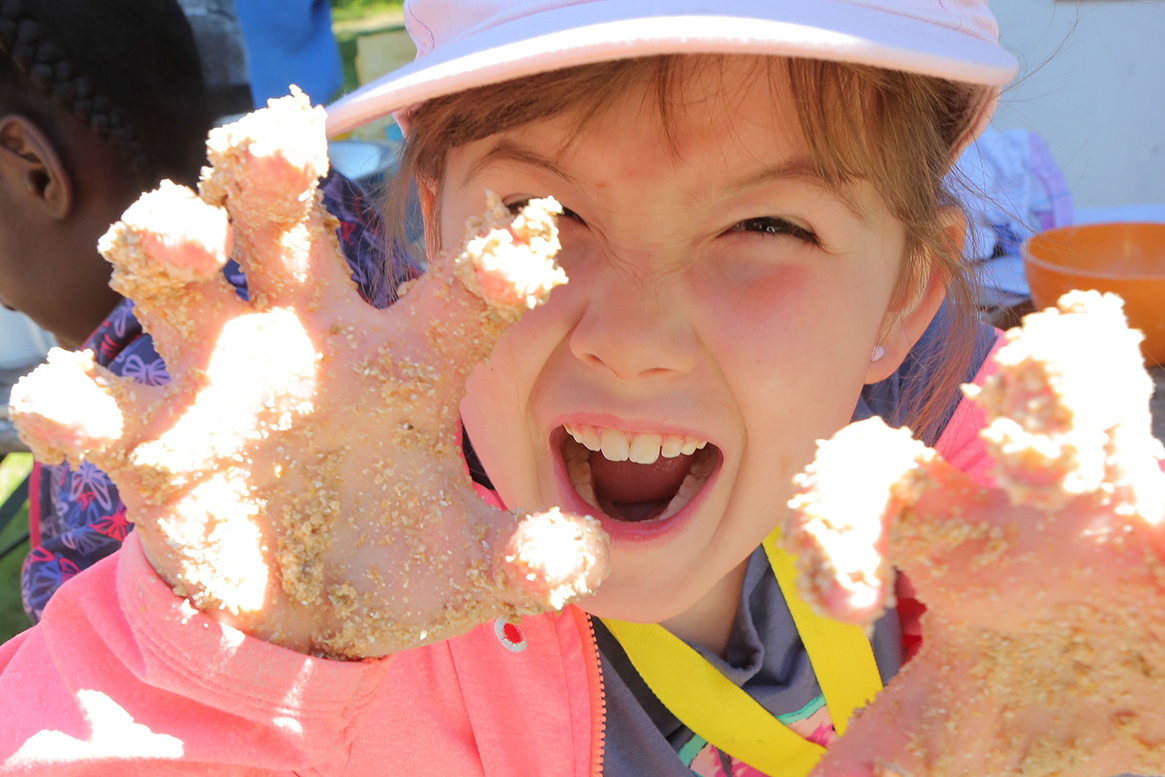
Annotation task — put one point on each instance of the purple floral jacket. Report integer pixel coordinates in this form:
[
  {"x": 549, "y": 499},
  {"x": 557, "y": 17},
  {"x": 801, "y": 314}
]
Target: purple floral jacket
[{"x": 76, "y": 516}]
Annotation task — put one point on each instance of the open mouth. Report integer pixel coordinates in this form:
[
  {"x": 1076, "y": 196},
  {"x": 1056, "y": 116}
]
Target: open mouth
[{"x": 636, "y": 478}]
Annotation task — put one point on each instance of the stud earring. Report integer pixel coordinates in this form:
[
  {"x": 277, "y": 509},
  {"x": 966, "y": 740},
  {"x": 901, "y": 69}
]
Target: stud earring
[{"x": 879, "y": 352}]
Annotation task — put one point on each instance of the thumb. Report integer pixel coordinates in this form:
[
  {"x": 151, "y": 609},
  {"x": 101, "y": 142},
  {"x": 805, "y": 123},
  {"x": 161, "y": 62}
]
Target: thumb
[
  {"x": 839, "y": 525},
  {"x": 71, "y": 407},
  {"x": 550, "y": 559}
]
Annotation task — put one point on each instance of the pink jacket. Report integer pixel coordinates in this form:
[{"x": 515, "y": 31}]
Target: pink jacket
[
  {"x": 124, "y": 678},
  {"x": 123, "y": 674}
]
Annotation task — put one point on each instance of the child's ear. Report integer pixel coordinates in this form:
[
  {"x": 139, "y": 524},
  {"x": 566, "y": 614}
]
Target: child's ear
[
  {"x": 31, "y": 168},
  {"x": 907, "y": 320}
]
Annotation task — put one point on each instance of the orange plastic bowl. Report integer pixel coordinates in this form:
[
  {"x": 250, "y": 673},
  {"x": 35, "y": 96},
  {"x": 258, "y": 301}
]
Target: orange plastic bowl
[{"x": 1128, "y": 259}]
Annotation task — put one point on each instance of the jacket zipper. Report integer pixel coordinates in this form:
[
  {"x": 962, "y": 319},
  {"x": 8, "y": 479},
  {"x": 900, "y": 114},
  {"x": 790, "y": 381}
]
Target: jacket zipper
[{"x": 598, "y": 694}]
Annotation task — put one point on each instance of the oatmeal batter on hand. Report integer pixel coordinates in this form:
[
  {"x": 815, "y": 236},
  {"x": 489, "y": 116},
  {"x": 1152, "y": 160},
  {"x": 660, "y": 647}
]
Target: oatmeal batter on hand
[
  {"x": 1044, "y": 644},
  {"x": 301, "y": 478}
]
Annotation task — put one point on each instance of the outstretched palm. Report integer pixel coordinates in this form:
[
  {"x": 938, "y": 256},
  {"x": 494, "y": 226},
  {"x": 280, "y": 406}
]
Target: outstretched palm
[
  {"x": 301, "y": 476},
  {"x": 1044, "y": 644}
]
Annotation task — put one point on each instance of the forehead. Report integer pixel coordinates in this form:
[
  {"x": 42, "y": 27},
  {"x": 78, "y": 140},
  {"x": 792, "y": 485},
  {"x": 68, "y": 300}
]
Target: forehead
[
  {"x": 709, "y": 126},
  {"x": 727, "y": 108}
]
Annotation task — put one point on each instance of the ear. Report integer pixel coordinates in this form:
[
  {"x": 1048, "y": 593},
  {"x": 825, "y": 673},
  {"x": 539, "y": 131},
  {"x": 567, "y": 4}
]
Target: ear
[
  {"x": 32, "y": 169},
  {"x": 909, "y": 317},
  {"x": 427, "y": 194}
]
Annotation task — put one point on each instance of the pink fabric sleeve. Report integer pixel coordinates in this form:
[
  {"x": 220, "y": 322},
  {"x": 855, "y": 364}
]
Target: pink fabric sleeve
[
  {"x": 471, "y": 706},
  {"x": 124, "y": 678},
  {"x": 959, "y": 444}
]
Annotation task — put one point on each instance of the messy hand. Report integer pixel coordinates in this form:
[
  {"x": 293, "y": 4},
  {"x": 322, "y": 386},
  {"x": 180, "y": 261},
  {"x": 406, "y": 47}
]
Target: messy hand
[
  {"x": 1044, "y": 642},
  {"x": 301, "y": 476}
]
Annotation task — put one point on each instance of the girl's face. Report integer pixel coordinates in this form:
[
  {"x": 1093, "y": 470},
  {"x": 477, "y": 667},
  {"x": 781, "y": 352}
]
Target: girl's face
[{"x": 719, "y": 293}]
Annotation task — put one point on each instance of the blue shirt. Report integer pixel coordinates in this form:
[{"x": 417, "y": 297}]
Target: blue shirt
[{"x": 290, "y": 42}]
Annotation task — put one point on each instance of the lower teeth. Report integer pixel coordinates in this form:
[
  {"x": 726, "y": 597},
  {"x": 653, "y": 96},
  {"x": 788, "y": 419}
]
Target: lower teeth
[{"x": 578, "y": 468}]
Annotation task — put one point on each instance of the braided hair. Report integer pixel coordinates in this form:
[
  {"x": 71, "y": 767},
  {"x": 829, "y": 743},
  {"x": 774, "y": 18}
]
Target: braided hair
[{"x": 127, "y": 69}]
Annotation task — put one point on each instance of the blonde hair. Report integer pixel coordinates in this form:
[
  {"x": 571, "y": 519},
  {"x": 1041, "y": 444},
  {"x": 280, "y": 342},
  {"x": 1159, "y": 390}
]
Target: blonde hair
[{"x": 895, "y": 130}]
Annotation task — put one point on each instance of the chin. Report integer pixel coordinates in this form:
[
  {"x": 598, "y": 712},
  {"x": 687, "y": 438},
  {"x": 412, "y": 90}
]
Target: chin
[{"x": 633, "y": 601}]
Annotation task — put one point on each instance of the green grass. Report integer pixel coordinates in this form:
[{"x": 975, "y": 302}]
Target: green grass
[
  {"x": 347, "y": 46},
  {"x": 354, "y": 10},
  {"x": 12, "y": 617},
  {"x": 347, "y": 10}
]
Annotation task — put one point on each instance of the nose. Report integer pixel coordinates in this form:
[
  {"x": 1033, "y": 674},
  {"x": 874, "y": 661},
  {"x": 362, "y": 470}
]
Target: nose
[{"x": 635, "y": 330}]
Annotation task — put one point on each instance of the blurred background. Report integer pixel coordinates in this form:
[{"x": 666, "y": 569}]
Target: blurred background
[{"x": 1093, "y": 85}]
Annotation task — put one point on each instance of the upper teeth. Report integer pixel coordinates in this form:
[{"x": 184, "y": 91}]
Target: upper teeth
[{"x": 639, "y": 448}]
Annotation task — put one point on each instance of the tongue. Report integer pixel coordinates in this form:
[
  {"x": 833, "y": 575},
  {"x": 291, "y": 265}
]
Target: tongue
[{"x": 625, "y": 482}]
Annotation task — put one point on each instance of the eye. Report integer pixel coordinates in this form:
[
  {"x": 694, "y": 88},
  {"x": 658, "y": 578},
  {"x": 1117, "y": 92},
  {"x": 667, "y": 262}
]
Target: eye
[
  {"x": 567, "y": 213},
  {"x": 769, "y": 225}
]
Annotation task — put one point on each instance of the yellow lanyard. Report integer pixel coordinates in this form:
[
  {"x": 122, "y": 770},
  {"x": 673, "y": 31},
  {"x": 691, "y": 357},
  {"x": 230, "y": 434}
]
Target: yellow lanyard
[{"x": 717, "y": 710}]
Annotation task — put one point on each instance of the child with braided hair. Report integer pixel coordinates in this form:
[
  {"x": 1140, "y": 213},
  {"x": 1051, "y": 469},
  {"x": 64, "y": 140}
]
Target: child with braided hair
[{"x": 98, "y": 102}]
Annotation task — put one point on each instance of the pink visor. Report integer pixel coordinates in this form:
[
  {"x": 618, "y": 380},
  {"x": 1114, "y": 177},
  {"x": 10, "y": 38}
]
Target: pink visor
[{"x": 463, "y": 44}]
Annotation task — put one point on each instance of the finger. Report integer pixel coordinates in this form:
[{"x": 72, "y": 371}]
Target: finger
[
  {"x": 551, "y": 559},
  {"x": 468, "y": 298},
  {"x": 840, "y": 519},
  {"x": 167, "y": 254},
  {"x": 71, "y": 407},
  {"x": 265, "y": 170},
  {"x": 1068, "y": 410}
]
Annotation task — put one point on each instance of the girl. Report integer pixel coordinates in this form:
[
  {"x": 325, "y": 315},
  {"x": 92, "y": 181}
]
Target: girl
[{"x": 755, "y": 231}]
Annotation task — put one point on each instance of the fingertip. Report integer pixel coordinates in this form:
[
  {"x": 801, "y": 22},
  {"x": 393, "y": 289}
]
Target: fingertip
[
  {"x": 509, "y": 261},
  {"x": 59, "y": 409},
  {"x": 838, "y": 525},
  {"x": 266, "y": 164},
  {"x": 557, "y": 558},
  {"x": 1068, "y": 405},
  {"x": 846, "y": 578},
  {"x": 168, "y": 237}
]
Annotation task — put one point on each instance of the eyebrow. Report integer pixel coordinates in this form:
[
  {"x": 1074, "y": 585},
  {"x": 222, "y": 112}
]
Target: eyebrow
[
  {"x": 509, "y": 151},
  {"x": 799, "y": 169}
]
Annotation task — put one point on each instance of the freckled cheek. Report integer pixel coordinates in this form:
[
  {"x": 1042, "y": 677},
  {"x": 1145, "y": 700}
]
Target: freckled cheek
[
  {"x": 763, "y": 322},
  {"x": 492, "y": 412},
  {"x": 500, "y": 396},
  {"x": 796, "y": 317},
  {"x": 787, "y": 345},
  {"x": 500, "y": 386}
]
